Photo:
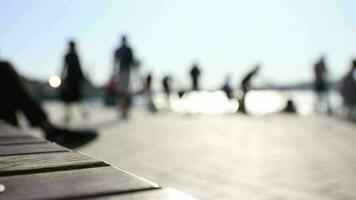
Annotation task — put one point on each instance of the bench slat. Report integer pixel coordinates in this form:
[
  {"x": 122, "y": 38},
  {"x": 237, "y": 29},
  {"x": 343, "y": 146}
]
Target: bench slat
[
  {"x": 35, "y": 163},
  {"x": 22, "y": 149},
  {"x": 8, "y": 130},
  {"x": 161, "y": 194},
  {"x": 71, "y": 184},
  {"x": 19, "y": 139}
]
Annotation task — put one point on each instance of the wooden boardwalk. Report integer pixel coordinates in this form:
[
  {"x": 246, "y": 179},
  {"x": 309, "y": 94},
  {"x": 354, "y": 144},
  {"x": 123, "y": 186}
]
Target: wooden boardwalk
[
  {"x": 33, "y": 168},
  {"x": 231, "y": 156}
]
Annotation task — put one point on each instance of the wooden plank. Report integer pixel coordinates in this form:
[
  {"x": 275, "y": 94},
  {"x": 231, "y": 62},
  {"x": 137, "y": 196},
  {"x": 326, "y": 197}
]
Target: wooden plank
[
  {"x": 159, "y": 194},
  {"x": 72, "y": 184},
  {"x": 19, "y": 139},
  {"x": 22, "y": 149},
  {"x": 46, "y": 162},
  {"x": 7, "y": 130}
]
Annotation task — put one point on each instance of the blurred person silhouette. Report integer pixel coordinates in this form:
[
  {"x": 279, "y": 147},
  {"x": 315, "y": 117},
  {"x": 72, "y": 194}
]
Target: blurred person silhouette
[
  {"x": 321, "y": 86},
  {"x": 15, "y": 97},
  {"x": 245, "y": 87},
  {"x": 149, "y": 93},
  {"x": 226, "y": 88},
  {"x": 290, "y": 107},
  {"x": 195, "y": 75},
  {"x": 110, "y": 97},
  {"x": 123, "y": 62},
  {"x": 348, "y": 89},
  {"x": 167, "y": 88},
  {"x": 73, "y": 80},
  {"x": 181, "y": 93}
]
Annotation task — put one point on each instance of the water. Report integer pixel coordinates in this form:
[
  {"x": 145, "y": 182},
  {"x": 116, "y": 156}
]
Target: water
[{"x": 257, "y": 102}]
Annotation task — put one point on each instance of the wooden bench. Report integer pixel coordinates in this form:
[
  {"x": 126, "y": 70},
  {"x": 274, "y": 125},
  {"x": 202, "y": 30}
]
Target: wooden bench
[{"x": 33, "y": 168}]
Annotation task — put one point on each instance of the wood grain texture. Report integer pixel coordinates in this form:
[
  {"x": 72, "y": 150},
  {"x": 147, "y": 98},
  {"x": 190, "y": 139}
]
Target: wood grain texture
[
  {"x": 72, "y": 184},
  {"x": 19, "y": 139},
  {"x": 46, "y": 162},
  {"x": 23, "y": 149},
  {"x": 159, "y": 194}
]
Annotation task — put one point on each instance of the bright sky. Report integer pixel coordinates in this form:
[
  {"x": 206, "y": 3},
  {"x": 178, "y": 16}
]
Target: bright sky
[{"x": 223, "y": 36}]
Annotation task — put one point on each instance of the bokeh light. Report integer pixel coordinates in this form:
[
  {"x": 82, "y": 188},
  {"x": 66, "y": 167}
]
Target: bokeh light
[{"x": 54, "y": 81}]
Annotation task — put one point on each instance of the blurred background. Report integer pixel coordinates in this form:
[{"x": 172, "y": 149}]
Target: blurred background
[
  {"x": 270, "y": 77},
  {"x": 225, "y": 37}
]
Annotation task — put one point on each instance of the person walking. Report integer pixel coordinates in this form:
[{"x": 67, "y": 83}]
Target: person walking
[
  {"x": 123, "y": 62},
  {"x": 167, "y": 88},
  {"x": 73, "y": 79},
  {"x": 246, "y": 87},
  {"x": 321, "y": 86}
]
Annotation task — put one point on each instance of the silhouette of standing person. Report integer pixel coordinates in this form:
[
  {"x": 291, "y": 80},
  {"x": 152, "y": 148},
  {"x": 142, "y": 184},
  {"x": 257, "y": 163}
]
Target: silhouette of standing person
[
  {"x": 166, "y": 84},
  {"x": 245, "y": 87},
  {"x": 148, "y": 93},
  {"x": 123, "y": 62},
  {"x": 73, "y": 78},
  {"x": 195, "y": 75},
  {"x": 321, "y": 86},
  {"x": 348, "y": 90}
]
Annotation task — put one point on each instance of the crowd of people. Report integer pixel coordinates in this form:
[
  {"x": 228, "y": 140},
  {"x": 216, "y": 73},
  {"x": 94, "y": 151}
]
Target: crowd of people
[
  {"x": 15, "y": 97},
  {"x": 126, "y": 61}
]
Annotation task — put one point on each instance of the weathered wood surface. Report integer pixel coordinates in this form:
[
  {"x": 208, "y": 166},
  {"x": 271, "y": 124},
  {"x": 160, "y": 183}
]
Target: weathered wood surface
[
  {"x": 72, "y": 184},
  {"x": 33, "y": 168},
  {"x": 45, "y": 162},
  {"x": 7, "y": 130},
  {"x": 19, "y": 139},
  {"x": 23, "y": 149},
  {"x": 160, "y": 194}
]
